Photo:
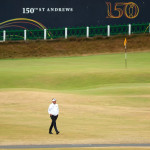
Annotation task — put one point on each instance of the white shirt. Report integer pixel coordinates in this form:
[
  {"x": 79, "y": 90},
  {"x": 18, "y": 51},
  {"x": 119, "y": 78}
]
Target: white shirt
[{"x": 53, "y": 109}]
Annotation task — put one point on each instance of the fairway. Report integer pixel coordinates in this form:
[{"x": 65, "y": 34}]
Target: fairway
[{"x": 100, "y": 101}]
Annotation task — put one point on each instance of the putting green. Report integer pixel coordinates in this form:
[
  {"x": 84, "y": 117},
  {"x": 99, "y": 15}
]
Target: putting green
[
  {"x": 75, "y": 73},
  {"x": 100, "y": 101}
]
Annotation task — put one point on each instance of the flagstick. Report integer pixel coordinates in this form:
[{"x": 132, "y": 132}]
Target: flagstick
[{"x": 126, "y": 56}]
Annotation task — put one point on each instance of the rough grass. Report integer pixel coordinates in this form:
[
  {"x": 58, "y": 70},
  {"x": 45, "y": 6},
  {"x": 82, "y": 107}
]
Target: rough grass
[
  {"x": 73, "y": 46},
  {"x": 83, "y": 119}
]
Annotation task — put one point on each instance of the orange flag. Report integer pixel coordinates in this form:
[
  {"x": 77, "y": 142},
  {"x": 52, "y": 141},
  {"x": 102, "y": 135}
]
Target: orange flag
[{"x": 125, "y": 42}]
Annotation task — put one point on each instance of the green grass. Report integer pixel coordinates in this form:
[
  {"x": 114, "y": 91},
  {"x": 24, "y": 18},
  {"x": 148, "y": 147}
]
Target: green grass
[
  {"x": 77, "y": 73},
  {"x": 100, "y": 101}
]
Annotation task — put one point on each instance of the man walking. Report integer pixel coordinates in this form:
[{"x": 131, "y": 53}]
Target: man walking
[{"x": 53, "y": 111}]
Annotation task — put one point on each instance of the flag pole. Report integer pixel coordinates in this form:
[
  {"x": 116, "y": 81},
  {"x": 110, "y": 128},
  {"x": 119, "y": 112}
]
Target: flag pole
[
  {"x": 125, "y": 45},
  {"x": 126, "y": 56}
]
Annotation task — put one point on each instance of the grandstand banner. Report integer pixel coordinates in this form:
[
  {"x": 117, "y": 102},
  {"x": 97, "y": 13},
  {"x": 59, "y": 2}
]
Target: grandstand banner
[{"x": 71, "y": 13}]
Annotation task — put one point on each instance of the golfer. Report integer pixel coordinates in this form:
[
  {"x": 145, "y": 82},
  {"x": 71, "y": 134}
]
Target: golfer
[{"x": 53, "y": 111}]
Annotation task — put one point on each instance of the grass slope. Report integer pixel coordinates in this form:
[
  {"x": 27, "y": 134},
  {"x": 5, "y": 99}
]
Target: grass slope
[{"x": 73, "y": 46}]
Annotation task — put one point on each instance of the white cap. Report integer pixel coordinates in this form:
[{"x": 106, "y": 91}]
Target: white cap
[{"x": 53, "y": 100}]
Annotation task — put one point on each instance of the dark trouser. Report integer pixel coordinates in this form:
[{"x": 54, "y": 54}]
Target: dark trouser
[{"x": 54, "y": 118}]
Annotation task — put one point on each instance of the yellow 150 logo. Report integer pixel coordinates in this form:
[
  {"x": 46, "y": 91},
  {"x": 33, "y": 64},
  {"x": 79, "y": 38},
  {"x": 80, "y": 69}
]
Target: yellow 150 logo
[{"x": 130, "y": 10}]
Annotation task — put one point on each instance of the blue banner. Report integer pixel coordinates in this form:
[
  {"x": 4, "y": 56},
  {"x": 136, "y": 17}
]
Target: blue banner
[{"x": 42, "y": 14}]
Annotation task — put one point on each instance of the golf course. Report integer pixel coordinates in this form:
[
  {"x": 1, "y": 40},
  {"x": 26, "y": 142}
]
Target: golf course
[{"x": 100, "y": 100}]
